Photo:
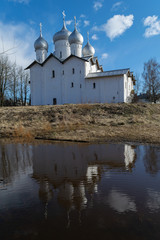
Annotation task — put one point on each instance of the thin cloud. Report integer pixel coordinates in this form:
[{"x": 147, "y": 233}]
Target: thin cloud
[
  {"x": 116, "y": 25},
  {"x": 86, "y": 23},
  {"x": 153, "y": 26},
  {"x": 82, "y": 16},
  {"x": 97, "y": 5},
  {"x": 116, "y": 6},
  {"x": 94, "y": 37},
  {"x": 20, "y": 1},
  {"x": 17, "y": 41},
  {"x": 104, "y": 56},
  {"x": 68, "y": 22}
]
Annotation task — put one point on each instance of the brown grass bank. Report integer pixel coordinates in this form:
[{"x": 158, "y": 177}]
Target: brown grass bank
[{"x": 83, "y": 122}]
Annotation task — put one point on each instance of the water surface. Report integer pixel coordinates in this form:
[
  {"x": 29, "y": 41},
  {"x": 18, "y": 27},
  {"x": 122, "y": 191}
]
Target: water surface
[{"x": 79, "y": 191}]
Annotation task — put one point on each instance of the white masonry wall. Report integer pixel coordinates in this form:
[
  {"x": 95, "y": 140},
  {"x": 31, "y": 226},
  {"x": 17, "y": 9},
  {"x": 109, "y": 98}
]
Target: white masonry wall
[
  {"x": 107, "y": 90},
  {"x": 36, "y": 76},
  {"x": 70, "y": 85},
  {"x": 128, "y": 87}
]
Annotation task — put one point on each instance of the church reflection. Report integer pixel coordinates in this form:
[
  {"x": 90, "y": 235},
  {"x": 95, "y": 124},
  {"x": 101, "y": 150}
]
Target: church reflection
[
  {"x": 74, "y": 171},
  {"x": 71, "y": 180}
]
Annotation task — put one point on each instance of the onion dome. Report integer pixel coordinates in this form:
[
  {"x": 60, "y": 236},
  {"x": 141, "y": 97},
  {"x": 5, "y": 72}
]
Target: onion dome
[
  {"x": 76, "y": 37},
  {"x": 88, "y": 50},
  {"x": 41, "y": 43},
  {"x": 63, "y": 34}
]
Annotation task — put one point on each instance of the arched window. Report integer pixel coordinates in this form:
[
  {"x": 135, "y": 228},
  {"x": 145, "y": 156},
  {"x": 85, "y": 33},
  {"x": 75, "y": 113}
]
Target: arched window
[
  {"x": 73, "y": 71},
  {"x": 60, "y": 54},
  {"x": 94, "y": 85},
  {"x": 72, "y": 85},
  {"x": 53, "y": 74}
]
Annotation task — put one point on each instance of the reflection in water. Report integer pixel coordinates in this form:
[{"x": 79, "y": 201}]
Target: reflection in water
[
  {"x": 14, "y": 159},
  {"x": 153, "y": 202},
  {"x": 152, "y": 159},
  {"x": 130, "y": 156},
  {"x": 76, "y": 170},
  {"x": 121, "y": 202},
  {"x": 79, "y": 189}
]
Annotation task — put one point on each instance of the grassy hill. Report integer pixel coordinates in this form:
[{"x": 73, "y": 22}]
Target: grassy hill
[{"x": 83, "y": 122}]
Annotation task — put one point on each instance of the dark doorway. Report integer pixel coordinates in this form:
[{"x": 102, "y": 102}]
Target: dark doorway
[{"x": 54, "y": 101}]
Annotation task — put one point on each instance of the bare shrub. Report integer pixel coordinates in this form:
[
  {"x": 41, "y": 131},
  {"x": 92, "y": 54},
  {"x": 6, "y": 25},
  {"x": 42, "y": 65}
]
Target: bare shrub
[{"x": 20, "y": 132}]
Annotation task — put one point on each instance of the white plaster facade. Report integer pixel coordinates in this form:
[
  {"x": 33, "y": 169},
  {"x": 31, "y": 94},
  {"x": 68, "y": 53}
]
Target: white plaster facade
[{"x": 66, "y": 76}]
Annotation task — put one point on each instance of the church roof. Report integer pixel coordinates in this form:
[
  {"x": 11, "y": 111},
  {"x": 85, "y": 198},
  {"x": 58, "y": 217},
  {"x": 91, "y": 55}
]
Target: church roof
[
  {"x": 52, "y": 55},
  {"x": 83, "y": 59},
  {"x": 108, "y": 73},
  {"x": 32, "y": 64}
]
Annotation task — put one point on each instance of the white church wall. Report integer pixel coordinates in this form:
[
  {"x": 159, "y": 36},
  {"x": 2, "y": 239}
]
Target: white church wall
[
  {"x": 87, "y": 68},
  {"x": 74, "y": 80},
  {"x": 52, "y": 84},
  {"x": 36, "y": 77},
  {"x": 104, "y": 90},
  {"x": 93, "y": 68},
  {"x": 128, "y": 87},
  {"x": 125, "y": 87}
]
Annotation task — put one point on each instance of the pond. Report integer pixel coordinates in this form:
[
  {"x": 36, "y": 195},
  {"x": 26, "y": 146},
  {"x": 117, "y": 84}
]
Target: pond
[{"x": 79, "y": 191}]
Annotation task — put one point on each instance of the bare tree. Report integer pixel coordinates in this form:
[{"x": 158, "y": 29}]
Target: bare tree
[
  {"x": 151, "y": 76},
  {"x": 14, "y": 84},
  {"x": 5, "y": 74},
  {"x": 137, "y": 87},
  {"x": 23, "y": 86}
]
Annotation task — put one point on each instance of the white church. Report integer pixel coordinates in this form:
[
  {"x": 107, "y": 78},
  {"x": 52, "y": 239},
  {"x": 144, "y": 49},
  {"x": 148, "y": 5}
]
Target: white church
[{"x": 72, "y": 74}]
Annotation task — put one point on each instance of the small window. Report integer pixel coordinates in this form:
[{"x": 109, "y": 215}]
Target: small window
[
  {"x": 53, "y": 74},
  {"x": 72, "y": 85},
  {"x": 63, "y": 72},
  {"x": 54, "y": 101},
  {"x": 94, "y": 85},
  {"x": 73, "y": 71},
  {"x": 80, "y": 85},
  {"x": 113, "y": 98},
  {"x": 60, "y": 54},
  {"x": 80, "y": 71}
]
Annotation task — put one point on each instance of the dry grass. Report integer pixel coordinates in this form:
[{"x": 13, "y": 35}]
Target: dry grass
[
  {"x": 87, "y": 122},
  {"x": 21, "y": 132}
]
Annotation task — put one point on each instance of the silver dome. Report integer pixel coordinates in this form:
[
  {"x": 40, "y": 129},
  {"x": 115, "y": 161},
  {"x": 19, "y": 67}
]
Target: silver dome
[
  {"x": 62, "y": 35},
  {"x": 41, "y": 43},
  {"x": 76, "y": 37},
  {"x": 88, "y": 50}
]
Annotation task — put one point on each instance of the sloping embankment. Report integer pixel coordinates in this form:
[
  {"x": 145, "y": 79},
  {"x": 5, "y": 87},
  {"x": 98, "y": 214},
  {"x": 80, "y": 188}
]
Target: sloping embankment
[{"x": 83, "y": 122}]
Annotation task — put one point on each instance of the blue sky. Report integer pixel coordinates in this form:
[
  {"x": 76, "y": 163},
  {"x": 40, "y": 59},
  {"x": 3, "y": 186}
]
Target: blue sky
[{"x": 123, "y": 33}]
